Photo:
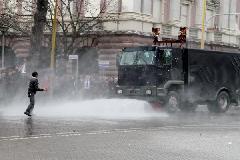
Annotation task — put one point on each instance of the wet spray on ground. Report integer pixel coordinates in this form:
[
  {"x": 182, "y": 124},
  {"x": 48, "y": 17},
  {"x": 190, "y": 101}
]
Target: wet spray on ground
[{"x": 98, "y": 108}]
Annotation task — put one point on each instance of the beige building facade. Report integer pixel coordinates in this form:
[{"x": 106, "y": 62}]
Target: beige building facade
[
  {"x": 169, "y": 15},
  {"x": 133, "y": 21}
]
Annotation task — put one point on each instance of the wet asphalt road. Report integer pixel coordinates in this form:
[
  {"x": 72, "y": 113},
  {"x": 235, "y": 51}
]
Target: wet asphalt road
[{"x": 179, "y": 136}]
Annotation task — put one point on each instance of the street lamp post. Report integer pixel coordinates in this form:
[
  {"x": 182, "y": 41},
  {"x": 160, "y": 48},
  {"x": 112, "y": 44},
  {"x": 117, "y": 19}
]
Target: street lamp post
[
  {"x": 54, "y": 32},
  {"x": 3, "y": 30},
  {"x": 203, "y": 23}
]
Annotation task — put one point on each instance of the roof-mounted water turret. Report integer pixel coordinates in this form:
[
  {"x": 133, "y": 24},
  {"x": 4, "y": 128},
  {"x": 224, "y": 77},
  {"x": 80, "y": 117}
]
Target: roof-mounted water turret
[{"x": 181, "y": 37}]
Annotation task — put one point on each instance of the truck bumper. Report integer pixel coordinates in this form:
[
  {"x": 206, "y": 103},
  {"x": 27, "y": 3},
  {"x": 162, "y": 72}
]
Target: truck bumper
[{"x": 146, "y": 93}]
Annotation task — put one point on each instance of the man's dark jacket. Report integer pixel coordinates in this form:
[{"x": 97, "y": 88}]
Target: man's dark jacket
[{"x": 33, "y": 86}]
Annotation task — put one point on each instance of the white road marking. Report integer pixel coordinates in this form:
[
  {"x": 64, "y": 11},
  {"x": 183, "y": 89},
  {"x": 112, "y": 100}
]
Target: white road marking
[
  {"x": 61, "y": 133},
  {"x": 45, "y": 134},
  {"x": 91, "y": 133},
  {"x": 69, "y": 134},
  {"x": 9, "y": 137}
]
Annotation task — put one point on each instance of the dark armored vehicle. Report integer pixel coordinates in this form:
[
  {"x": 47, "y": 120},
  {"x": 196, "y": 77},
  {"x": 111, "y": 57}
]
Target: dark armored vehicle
[{"x": 180, "y": 77}]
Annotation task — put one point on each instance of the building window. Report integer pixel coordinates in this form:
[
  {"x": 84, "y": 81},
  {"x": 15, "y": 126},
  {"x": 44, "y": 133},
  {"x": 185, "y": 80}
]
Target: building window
[
  {"x": 209, "y": 22},
  {"x": 157, "y": 14},
  {"x": 27, "y": 7},
  {"x": 67, "y": 7},
  {"x": 11, "y": 6},
  {"x": 128, "y": 6},
  {"x": 92, "y": 8},
  {"x": 73, "y": 6},
  {"x": 184, "y": 14},
  {"x": 50, "y": 10},
  {"x": 147, "y": 7},
  {"x": 112, "y": 6},
  {"x": 138, "y": 6}
]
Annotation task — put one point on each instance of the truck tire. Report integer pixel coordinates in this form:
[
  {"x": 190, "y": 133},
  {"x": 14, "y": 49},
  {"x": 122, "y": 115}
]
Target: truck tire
[
  {"x": 221, "y": 104},
  {"x": 173, "y": 101}
]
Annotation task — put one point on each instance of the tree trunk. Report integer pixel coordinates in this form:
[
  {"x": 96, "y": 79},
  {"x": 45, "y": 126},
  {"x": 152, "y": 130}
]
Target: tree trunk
[{"x": 38, "y": 31}]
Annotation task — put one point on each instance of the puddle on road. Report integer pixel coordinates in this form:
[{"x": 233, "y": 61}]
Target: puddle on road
[{"x": 102, "y": 108}]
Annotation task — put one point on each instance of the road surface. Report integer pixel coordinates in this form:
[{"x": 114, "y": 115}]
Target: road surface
[{"x": 163, "y": 136}]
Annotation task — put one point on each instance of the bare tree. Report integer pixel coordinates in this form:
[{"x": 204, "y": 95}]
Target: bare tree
[
  {"x": 76, "y": 19},
  {"x": 17, "y": 16},
  {"x": 15, "y": 22}
]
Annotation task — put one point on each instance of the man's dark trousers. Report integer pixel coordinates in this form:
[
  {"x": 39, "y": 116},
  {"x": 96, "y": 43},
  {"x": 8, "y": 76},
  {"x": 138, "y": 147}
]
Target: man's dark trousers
[{"x": 32, "y": 102}]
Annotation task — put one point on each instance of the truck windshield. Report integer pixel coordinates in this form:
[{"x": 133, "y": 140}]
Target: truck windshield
[{"x": 138, "y": 58}]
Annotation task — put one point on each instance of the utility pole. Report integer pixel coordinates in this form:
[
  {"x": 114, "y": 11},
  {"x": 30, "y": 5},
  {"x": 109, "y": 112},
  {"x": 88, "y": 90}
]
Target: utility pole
[
  {"x": 3, "y": 47},
  {"x": 203, "y": 23},
  {"x": 53, "y": 51},
  {"x": 54, "y": 32}
]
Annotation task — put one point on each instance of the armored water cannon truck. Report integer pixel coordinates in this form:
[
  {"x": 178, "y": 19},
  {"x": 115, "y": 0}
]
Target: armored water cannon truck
[{"x": 178, "y": 77}]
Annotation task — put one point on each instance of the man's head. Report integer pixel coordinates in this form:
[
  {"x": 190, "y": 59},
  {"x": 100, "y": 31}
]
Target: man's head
[{"x": 35, "y": 74}]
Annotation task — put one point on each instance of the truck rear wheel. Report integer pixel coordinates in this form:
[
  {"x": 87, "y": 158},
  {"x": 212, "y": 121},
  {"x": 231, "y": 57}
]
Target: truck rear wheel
[{"x": 221, "y": 104}]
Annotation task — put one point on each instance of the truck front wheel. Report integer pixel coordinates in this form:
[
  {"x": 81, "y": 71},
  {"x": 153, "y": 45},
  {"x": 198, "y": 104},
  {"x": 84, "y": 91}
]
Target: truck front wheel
[
  {"x": 173, "y": 101},
  {"x": 221, "y": 104}
]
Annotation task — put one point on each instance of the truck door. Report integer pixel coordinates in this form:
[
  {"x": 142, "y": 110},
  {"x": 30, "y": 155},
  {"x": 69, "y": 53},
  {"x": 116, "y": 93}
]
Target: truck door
[{"x": 164, "y": 65}]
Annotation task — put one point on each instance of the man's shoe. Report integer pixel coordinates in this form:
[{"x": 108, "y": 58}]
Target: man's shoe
[{"x": 28, "y": 114}]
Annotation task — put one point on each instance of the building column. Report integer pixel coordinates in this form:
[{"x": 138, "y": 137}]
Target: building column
[{"x": 238, "y": 11}]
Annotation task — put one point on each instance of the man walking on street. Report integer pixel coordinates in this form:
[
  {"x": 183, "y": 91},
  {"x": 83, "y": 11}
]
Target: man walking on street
[{"x": 32, "y": 90}]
